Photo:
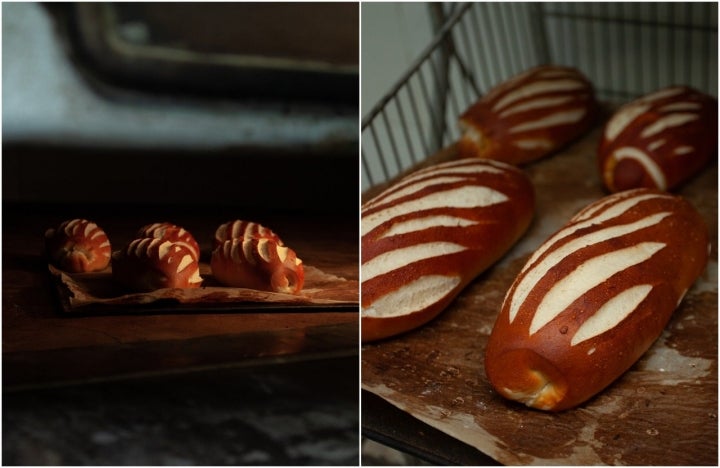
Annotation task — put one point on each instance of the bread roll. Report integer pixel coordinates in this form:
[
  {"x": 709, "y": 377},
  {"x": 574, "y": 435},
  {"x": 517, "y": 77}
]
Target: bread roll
[
  {"x": 594, "y": 297},
  {"x": 529, "y": 116},
  {"x": 170, "y": 232},
  {"x": 258, "y": 263},
  {"x": 659, "y": 141},
  {"x": 78, "y": 246},
  {"x": 426, "y": 237},
  {"x": 239, "y": 229},
  {"x": 148, "y": 264}
]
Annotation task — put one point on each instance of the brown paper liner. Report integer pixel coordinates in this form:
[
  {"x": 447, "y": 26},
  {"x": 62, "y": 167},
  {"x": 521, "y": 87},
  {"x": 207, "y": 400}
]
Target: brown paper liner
[{"x": 87, "y": 292}]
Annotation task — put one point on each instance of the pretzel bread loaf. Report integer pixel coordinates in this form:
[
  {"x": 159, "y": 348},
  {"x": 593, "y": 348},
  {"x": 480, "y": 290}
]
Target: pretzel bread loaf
[
  {"x": 258, "y": 263},
  {"x": 78, "y": 246},
  {"x": 594, "y": 297},
  {"x": 148, "y": 264},
  {"x": 239, "y": 229},
  {"x": 529, "y": 116},
  {"x": 170, "y": 232},
  {"x": 426, "y": 237},
  {"x": 659, "y": 140}
]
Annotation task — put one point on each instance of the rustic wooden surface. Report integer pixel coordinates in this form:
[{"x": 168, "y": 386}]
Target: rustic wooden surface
[
  {"x": 662, "y": 412},
  {"x": 41, "y": 346}
]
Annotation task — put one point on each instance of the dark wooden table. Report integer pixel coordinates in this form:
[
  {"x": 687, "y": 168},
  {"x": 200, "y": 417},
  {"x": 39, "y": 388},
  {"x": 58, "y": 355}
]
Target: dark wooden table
[
  {"x": 297, "y": 413},
  {"x": 190, "y": 388},
  {"x": 663, "y": 411},
  {"x": 42, "y": 346}
]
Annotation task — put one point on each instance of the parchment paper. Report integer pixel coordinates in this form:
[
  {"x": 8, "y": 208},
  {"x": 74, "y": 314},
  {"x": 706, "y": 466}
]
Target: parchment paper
[
  {"x": 661, "y": 412},
  {"x": 98, "y": 291}
]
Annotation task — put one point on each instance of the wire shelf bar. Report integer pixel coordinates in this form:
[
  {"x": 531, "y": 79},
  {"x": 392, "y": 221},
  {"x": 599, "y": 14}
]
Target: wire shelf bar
[{"x": 626, "y": 49}]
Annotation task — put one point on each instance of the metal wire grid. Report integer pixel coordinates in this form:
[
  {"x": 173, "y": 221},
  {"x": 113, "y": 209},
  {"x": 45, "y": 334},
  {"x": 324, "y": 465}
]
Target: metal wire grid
[
  {"x": 417, "y": 116},
  {"x": 630, "y": 49},
  {"x": 626, "y": 49}
]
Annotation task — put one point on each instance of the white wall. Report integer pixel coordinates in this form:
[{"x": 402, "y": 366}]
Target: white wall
[{"x": 393, "y": 35}]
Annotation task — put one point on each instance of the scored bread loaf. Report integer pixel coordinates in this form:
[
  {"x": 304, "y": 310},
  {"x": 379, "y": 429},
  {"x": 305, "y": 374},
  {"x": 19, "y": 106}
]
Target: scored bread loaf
[
  {"x": 148, "y": 264},
  {"x": 529, "y": 116},
  {"x": 426, "y": 237},
  {"x": 78, "y": 246},
  {"x": 258, "y": 263},
  {"x": 659, "y": 140},
  {"x": 239, "y": 229},
  {"x": 594, "y": 297},
  {"x": 170, "y": 232}
]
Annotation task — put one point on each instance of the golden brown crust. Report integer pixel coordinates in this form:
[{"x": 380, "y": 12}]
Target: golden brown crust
[
  {"x": 594, "y": 297},
  {"x": 78, "y": 246},
  {"x": 529, "y": 116},
  {"x": 258, "y": 263},
  {"x": 659, "y": 140},
  {"x": 240, "y": 229},
  {"x": 148, "y": 264},
  {"x": 426, "y": 237},
  {"x": 378, "y": 328},
  {"x": 170, "y": 232}
]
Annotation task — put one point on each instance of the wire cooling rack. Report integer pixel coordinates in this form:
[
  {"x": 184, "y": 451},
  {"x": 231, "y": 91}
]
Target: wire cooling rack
[{"x": 626, "y": 49}]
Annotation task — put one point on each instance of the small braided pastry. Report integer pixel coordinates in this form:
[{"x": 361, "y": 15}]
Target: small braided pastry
[{"x": 78, "y": 246}]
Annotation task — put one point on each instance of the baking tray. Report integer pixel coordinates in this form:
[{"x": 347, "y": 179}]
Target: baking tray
[
  {"x": 97, "y": 293},
  {"x": 663, "y": 411},
  {"x": 275, "y": 50}
]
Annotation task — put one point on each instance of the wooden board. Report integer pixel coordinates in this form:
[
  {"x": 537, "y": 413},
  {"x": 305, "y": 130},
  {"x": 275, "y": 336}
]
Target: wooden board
[
  {"x": 42, "y": 345},
  {"x": 661, "y": 412}
]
